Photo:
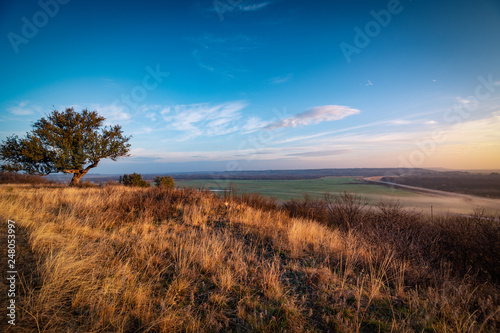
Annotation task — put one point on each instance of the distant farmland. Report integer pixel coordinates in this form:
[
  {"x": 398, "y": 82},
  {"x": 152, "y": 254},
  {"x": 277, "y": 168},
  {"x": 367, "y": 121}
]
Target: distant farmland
[
  {"x": 294, "y": 189},
  {"x": 316, "y": 188}
]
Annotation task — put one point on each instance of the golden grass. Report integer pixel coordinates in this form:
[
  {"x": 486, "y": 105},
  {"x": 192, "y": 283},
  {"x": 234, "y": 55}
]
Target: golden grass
[{"x": 121, "y": 259}]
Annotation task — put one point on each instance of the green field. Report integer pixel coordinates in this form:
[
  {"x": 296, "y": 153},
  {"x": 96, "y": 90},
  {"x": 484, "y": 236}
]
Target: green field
[
  {"x": 290, "y": 189},
  {"x": 372, "y": 193}
]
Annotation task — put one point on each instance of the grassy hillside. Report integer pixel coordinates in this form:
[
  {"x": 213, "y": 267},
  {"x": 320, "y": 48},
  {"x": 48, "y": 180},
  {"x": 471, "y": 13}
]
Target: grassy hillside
[{"x": 159, "y": 260}]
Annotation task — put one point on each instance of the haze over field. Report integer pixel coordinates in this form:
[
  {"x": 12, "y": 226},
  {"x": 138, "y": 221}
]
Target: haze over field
[
  {"x": 370, "y": 193},
  {"x": 249, "y": 85}
]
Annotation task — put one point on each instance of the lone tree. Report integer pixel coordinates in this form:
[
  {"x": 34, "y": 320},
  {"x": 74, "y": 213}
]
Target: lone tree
[
  {"x": 134, "y": 179},
  {"x": 68, "y": 141}
]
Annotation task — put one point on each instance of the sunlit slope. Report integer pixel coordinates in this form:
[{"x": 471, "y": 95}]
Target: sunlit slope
[{"x": 118, "y": 259}]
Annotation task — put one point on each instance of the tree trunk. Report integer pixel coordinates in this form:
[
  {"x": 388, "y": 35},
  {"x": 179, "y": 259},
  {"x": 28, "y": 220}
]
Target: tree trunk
[
  {"x": 76, "y": 177},
  {"x": 78, "y": 174}
]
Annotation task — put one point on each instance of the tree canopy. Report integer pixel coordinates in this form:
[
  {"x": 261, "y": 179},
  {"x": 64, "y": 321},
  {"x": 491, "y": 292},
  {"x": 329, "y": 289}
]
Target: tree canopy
[
  {"x": 134, "y": 179},
  {"x": 167, "y": 181},
  {"x": 67, "y": 141}
]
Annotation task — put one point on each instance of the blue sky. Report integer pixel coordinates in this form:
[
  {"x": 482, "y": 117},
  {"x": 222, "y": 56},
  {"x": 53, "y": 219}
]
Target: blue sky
[{"x": 249, "y": 85}]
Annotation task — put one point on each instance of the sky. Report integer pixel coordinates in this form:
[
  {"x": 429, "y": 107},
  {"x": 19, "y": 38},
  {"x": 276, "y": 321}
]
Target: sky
[{"x": 231, "y": 85}]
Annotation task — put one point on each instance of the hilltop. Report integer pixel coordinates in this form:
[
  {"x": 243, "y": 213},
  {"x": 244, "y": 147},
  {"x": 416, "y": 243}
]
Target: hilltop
[{"x": 128, "y": 259}]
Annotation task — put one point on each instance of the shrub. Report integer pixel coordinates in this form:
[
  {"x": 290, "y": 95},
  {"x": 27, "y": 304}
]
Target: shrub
[
  {"x": 307, "y": 207},
  {"x": 164, "y": 182},
  {"x": 345, "y": 210},
  {"x": 134, "y": 179},
  {"x": 471, "y": 244}
]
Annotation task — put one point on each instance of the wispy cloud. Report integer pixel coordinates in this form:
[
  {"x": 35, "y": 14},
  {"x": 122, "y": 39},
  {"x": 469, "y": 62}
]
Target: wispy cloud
[
  {"x": 384, "y": 123},
  {"x": 233, "y": 6},
  {"x": 464, "y": 101},
  {"x": 201, "y": 62},
  {"x": 480, "y": 132},
  {"x": 253, "y": 7},
  {"x": 220, "y": 54},
  {"x": 368, "y": 83},
  {"x": 322, "y": 153},
  {"x": 267, "y": 153},
  {"x": 151, "y": 115},
  {"x": 207, "y": 119},
  {"x": 476, "y": 131},
  {"x": 254, "y": 124},
  {"x": 478, "y": 135},
  {"x": 316, "y": 115},
  {"x": 111, "y": 112},
  {"x": 281, "y": 79},
  {"x": 399, "y": 122},
  {"x": 110, "y": 83},
  {"x": 204, "y": 118},
  {"x": 24, "y": 108}
]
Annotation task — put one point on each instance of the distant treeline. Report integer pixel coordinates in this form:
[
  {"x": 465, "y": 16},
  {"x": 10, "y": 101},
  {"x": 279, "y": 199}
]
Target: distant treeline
[
  {"x": 298, "y": 174},
  {"x": 21, "y": 178},
  {"x": 459, "y": 182},
  {"x": 265, "y": 174}
]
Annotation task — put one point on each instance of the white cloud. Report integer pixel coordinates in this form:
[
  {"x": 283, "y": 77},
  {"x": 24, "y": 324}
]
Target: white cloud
[
  {"x": 253, "y": 7},
  {"x": 476, "y": 131},
  {"x": 479, "y": 132},
  {"x": 463, "y": 100},
  {"x": 348, "y": 129},
  {"x": 322, "y": 153},
  {"x": 281, "y": 79},
  {"x": 369, "y": 83},
  {"x": 303, "y": 138},
  {"x": 111, "y": 112},
  {"x": 254, "y": 124},
  {"x": 399, "y": 122},
  {"x": 146, "y": 108},
  {"x": 204, "y": 118},
  {"x": 316, "y": 115},
  {"x": 151, "y": 115},
  {"x": 24, "y": 109}
]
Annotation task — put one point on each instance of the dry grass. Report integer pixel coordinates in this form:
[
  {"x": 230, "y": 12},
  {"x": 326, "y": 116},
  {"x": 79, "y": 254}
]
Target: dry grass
[{"x": 121, "y": 259}]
